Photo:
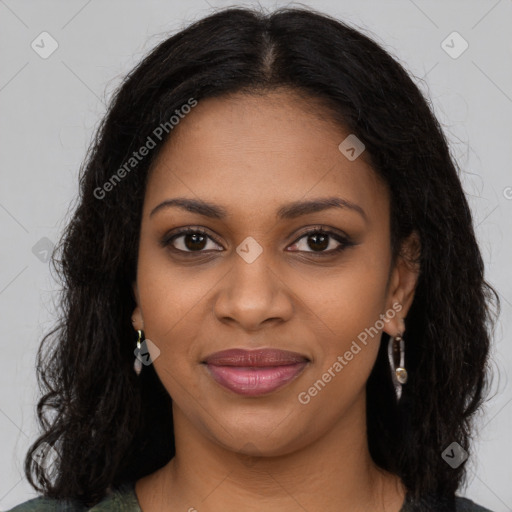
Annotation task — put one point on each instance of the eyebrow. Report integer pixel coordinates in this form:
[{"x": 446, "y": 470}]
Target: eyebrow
[{"x": 287, "y": 211}]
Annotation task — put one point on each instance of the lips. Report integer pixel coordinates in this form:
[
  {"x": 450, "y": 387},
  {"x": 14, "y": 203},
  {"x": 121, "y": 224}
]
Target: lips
[
  {"x": 254, "y": 372},
  {"x": 255, "y": 358}
]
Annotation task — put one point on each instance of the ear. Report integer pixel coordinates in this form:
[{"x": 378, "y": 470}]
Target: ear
[
  {"x": 402, "y": 283},
  {"x": 137, "y": 320}
]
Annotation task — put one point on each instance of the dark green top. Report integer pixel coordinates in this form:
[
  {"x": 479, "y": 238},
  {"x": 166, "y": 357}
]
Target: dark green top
[{"x": 124, "y": 499}]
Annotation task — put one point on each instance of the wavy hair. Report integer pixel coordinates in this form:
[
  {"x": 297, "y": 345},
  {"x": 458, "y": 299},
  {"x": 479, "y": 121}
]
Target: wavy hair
[{"x": 108, "y": 426}]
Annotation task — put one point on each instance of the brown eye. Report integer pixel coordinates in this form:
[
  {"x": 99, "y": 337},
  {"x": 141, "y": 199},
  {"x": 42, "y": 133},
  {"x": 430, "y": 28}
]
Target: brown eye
[
  {"x": 194, "y": 241},
  {"x": 318, "y": 241},
  {"x": 190, "y": 240},
  {"x": 322, "y": 242}
]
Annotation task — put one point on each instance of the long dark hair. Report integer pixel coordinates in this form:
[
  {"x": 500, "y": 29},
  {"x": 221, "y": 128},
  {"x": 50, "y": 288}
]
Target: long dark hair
[{"x": 108, "y": 426}]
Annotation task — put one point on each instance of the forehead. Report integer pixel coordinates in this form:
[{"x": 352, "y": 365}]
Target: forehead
[{"x": 254, "y": 152}]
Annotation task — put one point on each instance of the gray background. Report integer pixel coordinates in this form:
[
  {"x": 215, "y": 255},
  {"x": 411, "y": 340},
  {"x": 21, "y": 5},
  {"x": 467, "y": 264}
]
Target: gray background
[{"x": 50, "y": 108}]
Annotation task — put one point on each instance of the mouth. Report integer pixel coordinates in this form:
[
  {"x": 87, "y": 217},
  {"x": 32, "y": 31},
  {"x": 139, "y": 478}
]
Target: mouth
[{"x": 254, "y": 372}]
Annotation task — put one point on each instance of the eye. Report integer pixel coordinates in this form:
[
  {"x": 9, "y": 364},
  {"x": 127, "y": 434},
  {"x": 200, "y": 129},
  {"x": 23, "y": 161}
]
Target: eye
[
  {"x": 189, "y": 240},
  {"x": 322, "y": 242}
]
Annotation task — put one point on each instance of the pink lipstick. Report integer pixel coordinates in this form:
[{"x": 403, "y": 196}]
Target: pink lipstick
[{"x": 254, "y": 372}]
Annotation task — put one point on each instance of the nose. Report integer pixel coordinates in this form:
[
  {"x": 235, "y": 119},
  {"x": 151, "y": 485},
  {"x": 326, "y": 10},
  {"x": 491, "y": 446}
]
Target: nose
[{"x": 252, "y": 295}]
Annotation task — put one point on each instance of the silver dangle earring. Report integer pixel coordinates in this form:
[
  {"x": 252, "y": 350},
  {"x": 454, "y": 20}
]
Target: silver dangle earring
[
  {"x": 137, "y": 364},
  {"x": 396, "y": 355}
]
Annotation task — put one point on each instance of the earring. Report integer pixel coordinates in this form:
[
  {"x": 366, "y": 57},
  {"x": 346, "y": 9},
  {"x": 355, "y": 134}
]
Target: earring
[
  {"x": 396, "y": 355},
  {"x": 137, "y": 364}
]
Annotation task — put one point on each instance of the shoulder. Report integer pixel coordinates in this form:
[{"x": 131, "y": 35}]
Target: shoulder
[
  {"x": 42, "y": 504},
  {"x": 121, "y": 499},
  {"x": 466, "y": 505}
]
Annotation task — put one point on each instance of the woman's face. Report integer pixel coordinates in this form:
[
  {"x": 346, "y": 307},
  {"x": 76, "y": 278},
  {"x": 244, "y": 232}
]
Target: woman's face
[{"x": 255, "y": 279}]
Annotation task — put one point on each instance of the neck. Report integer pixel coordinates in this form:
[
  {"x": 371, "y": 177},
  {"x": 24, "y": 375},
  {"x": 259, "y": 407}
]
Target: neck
[{"x": 333, "y": 472}]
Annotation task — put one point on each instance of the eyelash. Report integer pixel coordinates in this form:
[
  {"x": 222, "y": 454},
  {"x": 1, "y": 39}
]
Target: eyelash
[{"x": 344, "y": 242}]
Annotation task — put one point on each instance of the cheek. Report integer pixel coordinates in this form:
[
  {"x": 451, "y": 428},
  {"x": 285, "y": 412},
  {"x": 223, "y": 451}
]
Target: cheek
[
  {"x": 172, "y": 303},
  {"x": 347, "y": 299},
  {"x": 168, "y": 291},
  {"x": 344, "y": 317}
]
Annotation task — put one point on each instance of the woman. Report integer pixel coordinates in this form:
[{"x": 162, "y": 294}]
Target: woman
[{"x": 273, "y": 295}]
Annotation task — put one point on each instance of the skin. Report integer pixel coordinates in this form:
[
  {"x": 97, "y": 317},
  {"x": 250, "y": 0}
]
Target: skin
[{"x": 251, "y": 154}]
